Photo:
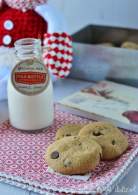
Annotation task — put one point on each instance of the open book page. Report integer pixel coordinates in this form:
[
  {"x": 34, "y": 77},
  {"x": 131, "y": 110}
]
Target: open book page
[{"x": 110, "y": 100}]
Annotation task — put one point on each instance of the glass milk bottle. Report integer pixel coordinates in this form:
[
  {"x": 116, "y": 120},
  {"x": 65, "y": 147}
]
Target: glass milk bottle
[{"x": 30, "y": 91}]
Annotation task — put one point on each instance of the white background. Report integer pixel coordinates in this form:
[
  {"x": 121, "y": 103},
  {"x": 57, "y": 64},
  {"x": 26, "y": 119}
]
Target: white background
[{"x": 80, "y": 13}]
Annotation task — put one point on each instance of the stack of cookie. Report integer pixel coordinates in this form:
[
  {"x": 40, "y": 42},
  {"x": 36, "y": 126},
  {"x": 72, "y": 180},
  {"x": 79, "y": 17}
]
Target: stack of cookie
[
  {"x": 129, "y": 45},
  {"x": 78, "y": 149},
  {"x": 126, "y": 44}
]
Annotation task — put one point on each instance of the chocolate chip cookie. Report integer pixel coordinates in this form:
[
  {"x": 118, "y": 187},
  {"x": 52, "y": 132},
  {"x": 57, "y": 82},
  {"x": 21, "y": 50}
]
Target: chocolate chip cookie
[
  {"x": 73, "y": 155},
  {"x": 112, "y": 140},
  {"x": 130, "y": 45},
  {"x": 68, "y": 130}
]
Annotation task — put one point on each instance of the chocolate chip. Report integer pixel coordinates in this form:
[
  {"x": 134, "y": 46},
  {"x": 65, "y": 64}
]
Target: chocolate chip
[
  {"x": 97, "y": 133},
  {"x": 55, "y": 155},
  {"x": 68, "y": 134},
  {"x": 113, "y": 142}
]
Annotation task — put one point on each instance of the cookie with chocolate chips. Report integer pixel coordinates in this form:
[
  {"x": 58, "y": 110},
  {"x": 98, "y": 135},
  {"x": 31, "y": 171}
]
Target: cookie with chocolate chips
[
  {"x": 68, "y": 130},
  {"x": 129, "y": 45},
  {"x": 73, "y": 155},
  {"x": 112, "y": 140}
]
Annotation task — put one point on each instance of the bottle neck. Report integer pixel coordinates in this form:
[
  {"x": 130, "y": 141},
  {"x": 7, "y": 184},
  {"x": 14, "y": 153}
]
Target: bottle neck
[{"x": 28, "y": 48}]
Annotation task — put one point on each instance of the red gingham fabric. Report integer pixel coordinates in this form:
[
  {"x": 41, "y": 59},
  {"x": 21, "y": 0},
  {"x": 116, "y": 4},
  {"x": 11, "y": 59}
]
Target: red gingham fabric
[
  {"x": 58, "y": 53},
  {"x": 24, "y": 4},
  {"x": 25, "y": 25},
  {"x": 22, "y": 161}
]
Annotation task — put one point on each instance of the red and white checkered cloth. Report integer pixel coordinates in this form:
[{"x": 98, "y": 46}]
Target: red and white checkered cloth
[
  {"x": 24, "y": 5},
  {"x": 58, "y": 53}
]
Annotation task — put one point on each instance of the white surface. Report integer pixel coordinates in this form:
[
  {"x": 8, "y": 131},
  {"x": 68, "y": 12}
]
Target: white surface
[
  {"x": 63, "y": 88},
  {"x": 55, "y": 19},
  {"x": 80, "y": 13}
]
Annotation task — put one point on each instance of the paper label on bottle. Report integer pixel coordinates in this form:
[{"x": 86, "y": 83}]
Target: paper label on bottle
[{"x": 30, "y": 77}]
